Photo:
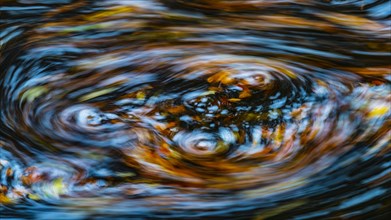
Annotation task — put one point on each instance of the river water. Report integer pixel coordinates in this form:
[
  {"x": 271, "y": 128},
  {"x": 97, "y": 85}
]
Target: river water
[{"x": 199, "y": 109}]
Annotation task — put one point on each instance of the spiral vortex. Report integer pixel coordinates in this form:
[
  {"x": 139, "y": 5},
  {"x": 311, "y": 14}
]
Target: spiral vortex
[{"x": 195, "y": 109}]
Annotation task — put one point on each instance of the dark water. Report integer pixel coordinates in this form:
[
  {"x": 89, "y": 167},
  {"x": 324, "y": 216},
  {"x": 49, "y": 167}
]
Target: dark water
[{"x": 173, "y": 109}]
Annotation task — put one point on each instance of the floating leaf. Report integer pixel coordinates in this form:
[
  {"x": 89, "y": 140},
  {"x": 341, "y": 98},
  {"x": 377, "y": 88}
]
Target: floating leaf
[
  {"x": 110, "y": 12},
  {"x": 378, "y": 111},
  {"x": 96, "y": 94},
  {"x": 280, "y": 209},
  {"x": 223, "y": 77},
  {"x": 140, "y": 95},
  {"x": 352, "y": 21},
  {"x": 34, "y": 197},
  {"x": 55, "y": 189},
  {"x": 234, "y": 100},
  {"x": 5, "y": 199},
  {"x": 33, "y": 93},
  {"x": 81, "y": 28},
  {"x": 245, "y": 94},
  {"x": 126, "y": 174},
  {"x": 58, "y": 185}
]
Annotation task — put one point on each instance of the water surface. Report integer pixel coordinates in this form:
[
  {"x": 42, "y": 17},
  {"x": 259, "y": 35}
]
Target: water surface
[{"x": 250, "y": 109}]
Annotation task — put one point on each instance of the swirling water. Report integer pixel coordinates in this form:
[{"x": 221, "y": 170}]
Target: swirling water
[{"x": 250, "y": 109}]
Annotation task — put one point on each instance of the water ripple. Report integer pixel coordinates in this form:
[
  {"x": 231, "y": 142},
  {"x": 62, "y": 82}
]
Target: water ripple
[{"x": 195, "y": 109}]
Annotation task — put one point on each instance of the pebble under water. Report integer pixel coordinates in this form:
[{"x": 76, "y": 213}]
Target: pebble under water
[{"x": 199, "y": 109}]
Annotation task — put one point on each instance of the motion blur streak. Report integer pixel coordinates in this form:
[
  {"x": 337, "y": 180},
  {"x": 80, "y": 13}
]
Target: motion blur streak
[{"x": 198, "y": 109}]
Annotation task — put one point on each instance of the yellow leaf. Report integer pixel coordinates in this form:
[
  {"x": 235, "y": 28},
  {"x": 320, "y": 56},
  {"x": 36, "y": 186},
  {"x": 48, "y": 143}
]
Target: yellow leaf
[
  {"x": 110, "y": 12},
  {"x": 96, "y": 94},
  {"x": 33, "y": 93},
  {"x": 222, "y": 76},
  {"x": 33, "y": 196},
  {"x": 4, "y": 199},
  {"x": 58, "y": 186},
  {"x": 378, "y": 111},
  {"x": 126, "y": 174},
  {"x": 140, "y": 95},
  {"x": 245, "y": 94},
  {"x": 234, "y": 100}
]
